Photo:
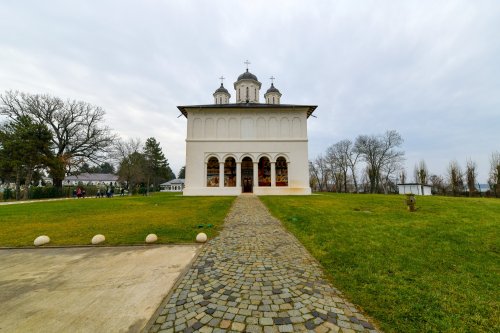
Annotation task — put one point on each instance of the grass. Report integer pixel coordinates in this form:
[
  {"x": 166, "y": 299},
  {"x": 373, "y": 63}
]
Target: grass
[
  {"x": 434, "y": 270},
  {"x": 122, "y": 220}
]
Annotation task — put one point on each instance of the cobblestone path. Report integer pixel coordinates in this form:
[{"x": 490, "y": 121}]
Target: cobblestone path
[{"x": 256, "y": 277}]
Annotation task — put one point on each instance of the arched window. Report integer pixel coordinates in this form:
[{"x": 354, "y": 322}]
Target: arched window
[
  {"x": 213, "y": 172},
  {"x": 264, "y": 172},
  {"x": 247, "y": 93},
  {"x": 281, "y": 172},
  {"x": 230, "y": 172},
  {"x": 255, "y": 93}
]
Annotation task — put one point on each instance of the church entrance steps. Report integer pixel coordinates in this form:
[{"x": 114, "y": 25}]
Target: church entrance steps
[{"x": 256, "y": 277}]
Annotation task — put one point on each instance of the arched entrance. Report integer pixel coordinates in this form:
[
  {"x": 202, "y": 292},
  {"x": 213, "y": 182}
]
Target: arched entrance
[{"x": 247, "y": 175}]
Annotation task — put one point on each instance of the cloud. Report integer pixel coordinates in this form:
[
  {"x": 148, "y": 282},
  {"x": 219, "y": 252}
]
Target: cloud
[{"x": 427, "y": 69}]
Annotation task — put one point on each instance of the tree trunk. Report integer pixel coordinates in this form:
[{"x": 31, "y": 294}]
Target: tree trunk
[
  {"x": 29, "y": 176},
  {"x": 18, "y": 184},
  {"x": 57, "y": 181},
  {"x": 355, "y": 181},
  {"x": 345, "y": 181}
]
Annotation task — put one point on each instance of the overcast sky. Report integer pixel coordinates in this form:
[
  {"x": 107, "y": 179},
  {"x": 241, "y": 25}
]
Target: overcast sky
[{"x": 428, "y": 69}]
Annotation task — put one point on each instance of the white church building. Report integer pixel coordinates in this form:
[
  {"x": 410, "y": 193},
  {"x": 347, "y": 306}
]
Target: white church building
[{"x": 247, "y": 146}]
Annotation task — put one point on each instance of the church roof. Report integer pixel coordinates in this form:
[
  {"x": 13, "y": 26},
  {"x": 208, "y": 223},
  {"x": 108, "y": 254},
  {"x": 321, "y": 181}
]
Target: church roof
[
  {"x": 221, "y": 89},
  {"x": 262, "y": 106},
  {"x": 247, "y": 76}
]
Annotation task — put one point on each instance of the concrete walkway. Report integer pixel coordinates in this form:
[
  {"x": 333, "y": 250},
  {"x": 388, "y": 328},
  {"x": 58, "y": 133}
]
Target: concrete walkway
[
  {"x": 256, "y": 277},
  {"x": 86, "y": 289}
]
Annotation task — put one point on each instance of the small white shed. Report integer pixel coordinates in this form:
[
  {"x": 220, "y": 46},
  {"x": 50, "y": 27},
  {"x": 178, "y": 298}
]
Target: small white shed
[{"x": 415, "y": 188}]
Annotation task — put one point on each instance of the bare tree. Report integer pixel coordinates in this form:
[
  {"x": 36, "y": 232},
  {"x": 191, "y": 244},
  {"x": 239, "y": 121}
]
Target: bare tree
[
  {"x": 455, "y": 178},
  {"x": 126, "y": 155},
  {"x": 494, "y": 179},
  {"x": 77, "y": 127},
  {"x": 352, "y": 159},
  {"x": 338, "y": 164},
  {"x": 421, "y": 173},
  {"x": 389, "y": 175},
  {"x": 346, "y": 159},
  {"x": 471, "y": 174},
  {"x": 379, "y": 151},
  {"x": 438, "y": 184},
  {"x": 313, "y": 177},
  {"x": 402, "y": 177},
  {"x": 320, "y": 171}
]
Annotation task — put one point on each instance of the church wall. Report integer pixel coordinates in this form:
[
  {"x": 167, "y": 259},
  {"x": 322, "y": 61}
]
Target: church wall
[
  {"x": 247, "y": 125},
  {"x": 250, "y": 132},
  {"x": 295, "y": 152}
]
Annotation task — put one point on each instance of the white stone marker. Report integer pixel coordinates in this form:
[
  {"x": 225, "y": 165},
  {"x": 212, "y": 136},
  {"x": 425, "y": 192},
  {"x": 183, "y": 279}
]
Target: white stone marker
[
  {"x": 41, "y": 240},
  {"x": 151, "y": 238},
  {"x": 97, "y": 239},
  {"x": 201, "y": 237}
]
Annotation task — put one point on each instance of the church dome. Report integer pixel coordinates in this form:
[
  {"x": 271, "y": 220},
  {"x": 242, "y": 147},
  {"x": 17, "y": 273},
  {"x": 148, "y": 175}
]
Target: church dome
[
  {"x": 247, "y": 76},
  {"x": 222, "y": 89},
  {"x": 221, "y": 95},
  {"x": 272, "y": 89}
]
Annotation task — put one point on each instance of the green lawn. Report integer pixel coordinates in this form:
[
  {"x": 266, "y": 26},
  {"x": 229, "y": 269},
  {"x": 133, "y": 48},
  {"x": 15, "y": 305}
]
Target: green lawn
[
  {"x": 122, "y": 220},
  {"x": 434, "y": 270}
]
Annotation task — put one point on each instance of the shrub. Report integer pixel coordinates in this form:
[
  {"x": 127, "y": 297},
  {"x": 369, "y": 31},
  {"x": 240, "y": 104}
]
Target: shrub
[
  {"x": 7, "y": 194},
  {"x": 45, "y": 192}
]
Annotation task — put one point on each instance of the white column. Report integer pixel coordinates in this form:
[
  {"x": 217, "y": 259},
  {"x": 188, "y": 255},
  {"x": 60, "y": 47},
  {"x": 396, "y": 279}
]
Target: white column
[
  {"x": 238, "y": 175},
  {"x": 205, "y": 175},
  {"x": 287, "y": 173},
  {"x": 256, "y": 174},
  {"x": 221, "y": 174},
  {"x": 273, "y": 174}
]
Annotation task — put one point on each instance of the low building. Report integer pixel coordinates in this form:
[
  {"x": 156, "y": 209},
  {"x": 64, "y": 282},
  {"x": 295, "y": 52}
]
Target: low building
[
  {"x": 415, "y": 188},
  {"x": 174, "y": 185},
  {"x": 91, "y": 179}
]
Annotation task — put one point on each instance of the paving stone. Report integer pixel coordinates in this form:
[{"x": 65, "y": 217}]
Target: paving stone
[
  {"x": 206, "y": 329},
  {"x": 214, "y": 322},
  {"x": 239, "y": 327},
  {"x": 180, "y": 327},
  {"x": 253, "y": 329},
  {"x": 347, "y": 330},
  {"x": 270, "y": 329},
  {"x": 256, "y": 277},
  {"x": 228, "y": 316},
  {"x": 285, "y": 328},
  {"x": 225, "y": 323},
  {"x": 265, "y": 321}
]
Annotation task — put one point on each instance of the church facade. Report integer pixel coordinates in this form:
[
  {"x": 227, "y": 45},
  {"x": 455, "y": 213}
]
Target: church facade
[{"x": 247, "y": 146}]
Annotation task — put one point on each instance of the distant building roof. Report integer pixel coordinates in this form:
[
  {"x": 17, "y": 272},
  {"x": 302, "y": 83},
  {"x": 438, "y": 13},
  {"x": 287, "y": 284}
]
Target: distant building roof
[
  {"x": 176, "y": 181},
  {"x": 96, "y": 177}
]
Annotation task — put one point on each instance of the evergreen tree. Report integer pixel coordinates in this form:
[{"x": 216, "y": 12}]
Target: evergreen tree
[
  {"x": 157, "y": 168},
  {"x": 25, "y": 146},
  {"x": 182, "y": 173}
]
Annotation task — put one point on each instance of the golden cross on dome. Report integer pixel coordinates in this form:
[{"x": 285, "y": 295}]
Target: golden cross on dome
[
  {"x": 247, "y": 63},
  {"x": 221, "y": 79},
  {"x": 272, "y": 79}
]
